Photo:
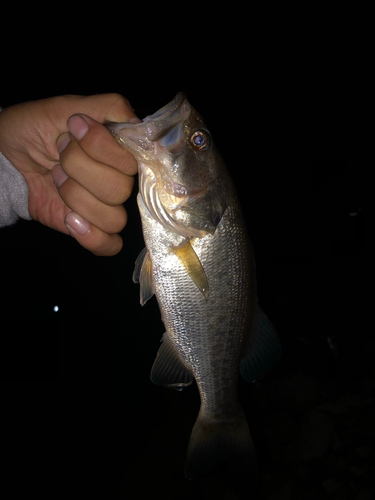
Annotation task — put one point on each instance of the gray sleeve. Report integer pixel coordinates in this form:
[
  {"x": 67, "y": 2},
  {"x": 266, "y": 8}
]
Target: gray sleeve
[{"x": 14, "y": 194}]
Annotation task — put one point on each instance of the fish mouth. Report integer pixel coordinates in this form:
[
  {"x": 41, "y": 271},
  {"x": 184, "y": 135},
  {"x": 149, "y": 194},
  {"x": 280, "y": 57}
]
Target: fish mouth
[
  {"x": 162, "y": 130},
  {"x": 171, "y": 110}
]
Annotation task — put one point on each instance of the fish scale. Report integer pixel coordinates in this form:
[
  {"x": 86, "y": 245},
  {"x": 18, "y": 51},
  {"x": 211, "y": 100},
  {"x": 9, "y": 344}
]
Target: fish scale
[{"x": 215, "y": 332}]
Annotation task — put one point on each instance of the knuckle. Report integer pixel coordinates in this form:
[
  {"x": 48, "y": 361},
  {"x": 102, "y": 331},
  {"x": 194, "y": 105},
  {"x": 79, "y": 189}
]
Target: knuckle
[
  {"x": 119, "y": 190},
  {"x": 101, "y": 243},
  {"x": 119, "y": 108},
  {"x": 119, "y": 100},
  {"x": 117, "y": 220},
  {"x": 107, "y": 245},
  {"x": 70, "y": 157},
  {"x": 67, "y": 191},
  {"x": 129, "y": 164}
]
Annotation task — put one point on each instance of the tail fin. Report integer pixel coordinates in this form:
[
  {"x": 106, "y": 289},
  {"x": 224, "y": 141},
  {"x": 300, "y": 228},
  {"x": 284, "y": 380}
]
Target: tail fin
[{"x": 213, "y": 441}]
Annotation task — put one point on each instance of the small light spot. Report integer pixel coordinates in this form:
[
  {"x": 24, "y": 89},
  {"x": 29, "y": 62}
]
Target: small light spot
[{"x": 56, "y": 308}]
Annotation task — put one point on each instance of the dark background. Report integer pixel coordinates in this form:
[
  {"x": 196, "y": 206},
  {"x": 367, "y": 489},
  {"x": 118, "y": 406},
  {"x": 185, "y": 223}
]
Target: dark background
[{"x": 288, "y": 138}]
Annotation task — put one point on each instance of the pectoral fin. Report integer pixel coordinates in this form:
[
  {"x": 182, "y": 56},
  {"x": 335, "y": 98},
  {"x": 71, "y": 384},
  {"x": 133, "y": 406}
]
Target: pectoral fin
[
  {"x": 189, "y": 259},
  {"x": 143, "y": 275},
  {"x": 138, "y": 265}
]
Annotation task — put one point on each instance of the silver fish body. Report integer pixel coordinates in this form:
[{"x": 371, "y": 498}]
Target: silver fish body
[{"x": 199, "y": 263}]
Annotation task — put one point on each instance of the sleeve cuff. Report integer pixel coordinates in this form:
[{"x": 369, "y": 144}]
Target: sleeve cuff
[{"x": 14, "y": 194}]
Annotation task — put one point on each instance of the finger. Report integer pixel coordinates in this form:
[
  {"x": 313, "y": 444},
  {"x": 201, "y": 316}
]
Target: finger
[
  {"x": 99, "y": 144},
  {"x": 107, "y": 184},
  {"x": 110, "y": 219},
  {"x": 92, "y": 238},
  {"x": 101, "y": 107}
]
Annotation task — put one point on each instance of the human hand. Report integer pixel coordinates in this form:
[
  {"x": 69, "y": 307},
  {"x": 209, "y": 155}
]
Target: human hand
[{"x": 77, "y": 175}]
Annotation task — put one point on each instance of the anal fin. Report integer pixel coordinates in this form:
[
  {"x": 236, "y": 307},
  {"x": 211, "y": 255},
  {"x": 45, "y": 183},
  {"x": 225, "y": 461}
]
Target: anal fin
[
  {"x": 190, "y": 260},
  {"x": 168, "y": 369}
]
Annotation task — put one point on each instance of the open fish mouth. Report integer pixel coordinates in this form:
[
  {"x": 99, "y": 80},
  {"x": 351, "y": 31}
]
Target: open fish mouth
[
  {"x": 172, "y": 110},
  {"x": 141, "y": 138}
]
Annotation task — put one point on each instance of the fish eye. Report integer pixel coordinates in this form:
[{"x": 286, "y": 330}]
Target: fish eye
[{"x": 200, "y": 140}]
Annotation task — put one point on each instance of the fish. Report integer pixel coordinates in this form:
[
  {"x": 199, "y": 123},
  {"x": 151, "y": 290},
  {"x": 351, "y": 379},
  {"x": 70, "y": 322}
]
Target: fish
[{"x": 198, "y": 261}]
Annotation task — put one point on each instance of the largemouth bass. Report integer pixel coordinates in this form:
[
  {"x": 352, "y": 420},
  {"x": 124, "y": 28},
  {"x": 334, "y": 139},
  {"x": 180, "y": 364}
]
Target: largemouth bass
[{"x": 198, "y": 261}]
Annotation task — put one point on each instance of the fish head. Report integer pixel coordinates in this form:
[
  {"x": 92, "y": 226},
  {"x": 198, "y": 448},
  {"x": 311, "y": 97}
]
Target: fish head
[{"x": 180, "y": 165}]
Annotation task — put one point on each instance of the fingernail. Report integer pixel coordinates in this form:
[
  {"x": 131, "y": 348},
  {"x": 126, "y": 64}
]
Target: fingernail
[
  {"x": 58, "y": 175},
  {"x": 62, "y": 141},
  {"x": 76, "y": 224},
  {"x": 77, "y": 126},
  {"x": 135, "y": 120}
]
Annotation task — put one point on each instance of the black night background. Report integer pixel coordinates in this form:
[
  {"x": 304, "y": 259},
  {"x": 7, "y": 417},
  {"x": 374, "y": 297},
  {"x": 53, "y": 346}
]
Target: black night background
[{"x": 288, "y": 147}]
